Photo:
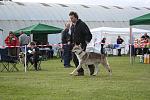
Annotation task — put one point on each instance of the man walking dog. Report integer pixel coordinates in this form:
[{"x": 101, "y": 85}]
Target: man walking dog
[{"x": 80, "y": 34}]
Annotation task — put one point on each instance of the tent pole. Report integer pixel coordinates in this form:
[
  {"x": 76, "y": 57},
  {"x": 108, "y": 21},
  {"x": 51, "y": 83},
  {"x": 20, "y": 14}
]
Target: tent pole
[
  {"x": 25, "y": 60},
  {"x": 2, "y": 37},
  {"x": 31, "y": 37},
  {"x": 131, "y": 45}
]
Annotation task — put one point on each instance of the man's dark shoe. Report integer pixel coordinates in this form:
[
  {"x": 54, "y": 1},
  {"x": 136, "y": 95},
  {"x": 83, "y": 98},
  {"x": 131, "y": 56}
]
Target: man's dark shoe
[
  {"x": 78, "y": 75},
  {"x": 91, "y": 73},
  {"x": 71, "y": 66},
  {"x": 66, "y": 66}
]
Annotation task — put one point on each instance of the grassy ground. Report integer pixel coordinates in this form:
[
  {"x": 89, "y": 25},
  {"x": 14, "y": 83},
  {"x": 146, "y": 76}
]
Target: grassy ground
[{"x": 128, "y": 82}]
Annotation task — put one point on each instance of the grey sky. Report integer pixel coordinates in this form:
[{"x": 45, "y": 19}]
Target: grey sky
[{"x": 96, "y": 2}]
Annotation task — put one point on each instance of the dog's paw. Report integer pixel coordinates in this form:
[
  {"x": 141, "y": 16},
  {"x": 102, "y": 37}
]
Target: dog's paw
[
  {"x": 71, "y": 73},
  {"x": 94, "y": 75},
  {"x": 110, "y": 74}
]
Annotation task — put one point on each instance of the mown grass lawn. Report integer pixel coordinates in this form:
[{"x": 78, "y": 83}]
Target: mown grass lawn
[{"x": 53, "y": 82}]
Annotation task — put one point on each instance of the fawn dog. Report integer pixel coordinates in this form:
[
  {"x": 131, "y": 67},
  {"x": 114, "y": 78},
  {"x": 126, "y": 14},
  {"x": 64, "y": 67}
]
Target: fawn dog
[{"x": 89, "y": 58}]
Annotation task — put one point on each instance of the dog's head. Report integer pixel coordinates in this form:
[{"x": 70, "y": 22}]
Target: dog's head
[
  {"x": 21, "y": 55},
  {"x": 77, "y": 49}
]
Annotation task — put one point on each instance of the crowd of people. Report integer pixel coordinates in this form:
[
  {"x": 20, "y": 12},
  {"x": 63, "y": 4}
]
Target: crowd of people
[
  {"x": 15, "y": 45},
  {"x": 141, "y": 46},
  {"x": 119, "y": 41},
  {"x": 146, "y": 39}
]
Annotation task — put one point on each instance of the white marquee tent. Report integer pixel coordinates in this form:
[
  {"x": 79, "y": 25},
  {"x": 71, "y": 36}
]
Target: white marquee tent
[{"x": 111, "y": 35}]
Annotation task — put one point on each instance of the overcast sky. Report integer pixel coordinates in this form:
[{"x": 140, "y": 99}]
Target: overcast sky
[{"x": 96, "y": 2}]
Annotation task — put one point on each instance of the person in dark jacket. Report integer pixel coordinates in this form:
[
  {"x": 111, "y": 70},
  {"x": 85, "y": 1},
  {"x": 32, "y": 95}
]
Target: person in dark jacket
[
  {"x": 119, "y": 41},
  {"x": 80, "y": 35},
  {"x": 102, "y": 45},
  {"x": 67, "y": 54},
  {"x": 33, "y": 55}
]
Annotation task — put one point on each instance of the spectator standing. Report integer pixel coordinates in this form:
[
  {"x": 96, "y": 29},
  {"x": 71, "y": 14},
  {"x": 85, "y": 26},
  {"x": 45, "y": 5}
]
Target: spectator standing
[
  {"x": 145, "y": 39},
  {"x": 80, "y": 34},
  {"x": 24, "y": 40},
  {"x": 12, "y": 40},
  {"x": 50, "y": 52},
  {"x": 102, "y": 45},
  {"x": 67, "y": 54},
  {"x": 145, "y": 36},
  {"x": 119, "y": 42}
]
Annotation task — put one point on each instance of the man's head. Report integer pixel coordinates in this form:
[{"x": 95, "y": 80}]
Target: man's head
[
  {"x": 21, "y": 32},
  {"x": 32, "y": 44},
  {"x": 119, "y": 37},
  {"x": 11, "y": 34},
  {"x": 73, "y": 16},
  {"x": 104, "y": 38},
  {"x": 145, "y": 34}
]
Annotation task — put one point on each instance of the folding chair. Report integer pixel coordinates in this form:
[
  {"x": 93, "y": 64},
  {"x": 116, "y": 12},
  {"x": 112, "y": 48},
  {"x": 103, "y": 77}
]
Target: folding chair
[
  {"x": 4, "y": 65},
  {"x": 31, "y": 66},
  {"x": 9, "y": 63}
]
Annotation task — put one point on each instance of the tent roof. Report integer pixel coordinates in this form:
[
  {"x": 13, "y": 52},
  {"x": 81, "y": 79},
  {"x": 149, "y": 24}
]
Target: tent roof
[
  {"x": 141, "y": 20},
  {"x": 39, "y": 28},
  {"x": 117, "y": 30},
  {"x": 59, "y": 12}
]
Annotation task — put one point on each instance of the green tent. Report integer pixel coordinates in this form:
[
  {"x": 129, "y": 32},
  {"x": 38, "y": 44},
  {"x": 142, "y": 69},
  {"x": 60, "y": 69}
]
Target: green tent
[
  {"x": 39, "y": 29},
  {"x": 40, "y": 32},
  {"x": 141, "y": 20}
]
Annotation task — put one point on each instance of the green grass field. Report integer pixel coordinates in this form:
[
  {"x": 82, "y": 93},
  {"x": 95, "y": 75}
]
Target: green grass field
[{"x": 53, "y": 82}]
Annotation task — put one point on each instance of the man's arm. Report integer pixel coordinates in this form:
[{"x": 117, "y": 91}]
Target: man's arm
[
  {"x": 122, "y": 40},
  {"x": 87, "y": 33}
]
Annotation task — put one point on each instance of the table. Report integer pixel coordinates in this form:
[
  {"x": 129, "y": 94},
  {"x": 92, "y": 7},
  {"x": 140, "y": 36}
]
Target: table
[
  {"x": 44, "y": 52},
  {"x": 112, "y": 47}
]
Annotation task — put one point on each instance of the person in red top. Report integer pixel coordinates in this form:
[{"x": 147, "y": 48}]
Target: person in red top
[{"x": 12, "y": 40}]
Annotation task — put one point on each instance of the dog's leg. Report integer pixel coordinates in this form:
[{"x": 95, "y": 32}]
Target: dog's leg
[
  {"x": 108, "y": 68},
  {"x": 106, "y": 65},
  {"x": 96, "y": 69},
  {"x": 75, "y": 70}
]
